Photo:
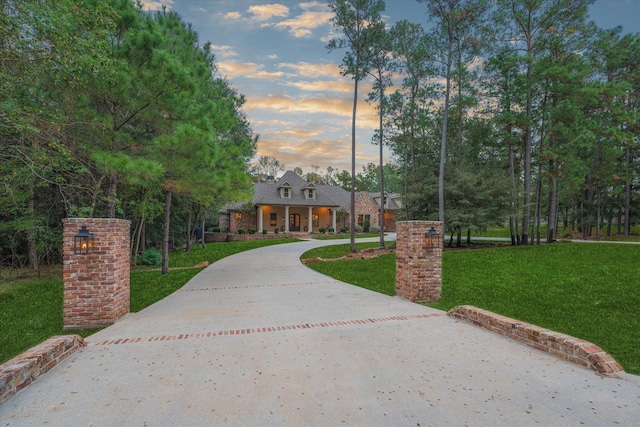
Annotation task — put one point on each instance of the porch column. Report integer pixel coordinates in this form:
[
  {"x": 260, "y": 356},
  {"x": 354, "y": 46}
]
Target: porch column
[
  {"x": 260, "y": 219},
  {"x": 286, "y": 219},
  {"x": 310, "y": 219},
  {"x": 333, "y": 218}
]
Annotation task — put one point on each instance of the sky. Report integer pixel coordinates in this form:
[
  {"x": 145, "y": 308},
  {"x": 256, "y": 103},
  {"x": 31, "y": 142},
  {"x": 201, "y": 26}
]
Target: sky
[{"x": 273, "y": 52}]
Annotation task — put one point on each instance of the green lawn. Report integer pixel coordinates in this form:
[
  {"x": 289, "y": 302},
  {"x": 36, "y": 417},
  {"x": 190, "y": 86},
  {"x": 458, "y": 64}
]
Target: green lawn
[
  {"x": 31, "y": 309},
  {"x": 590, "y": 291}
]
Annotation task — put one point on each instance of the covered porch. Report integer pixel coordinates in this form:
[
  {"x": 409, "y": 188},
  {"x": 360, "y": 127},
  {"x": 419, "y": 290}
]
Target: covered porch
[{"x": 285, "y": 218}]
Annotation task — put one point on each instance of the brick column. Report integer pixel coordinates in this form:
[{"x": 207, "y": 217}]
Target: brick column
[
  {"x": 96, "y": 285},
  {"x": 418, "y": 267}
]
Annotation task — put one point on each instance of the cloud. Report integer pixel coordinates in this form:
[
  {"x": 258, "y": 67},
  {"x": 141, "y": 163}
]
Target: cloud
[
  {"x": 223, "y": 51},
  {"x": 340, "y": 86},
  {"x": 249, "y": 70},
  {"x": 333, "y": 106},
  {"x": 233, "y": 15},
  {"x": 156, "y": 4},
  {"x": 302, "y": 25},
  {"x": 306, "y": 69},
  {"x": 267, "y": 11},
  {"x": 233, "y": 69}
]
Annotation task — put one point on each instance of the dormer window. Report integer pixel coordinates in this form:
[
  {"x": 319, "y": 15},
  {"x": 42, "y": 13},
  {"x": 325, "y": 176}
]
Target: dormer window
[
  {"x": 309, "y": 191},
  {"x": 285, "y": 190}
]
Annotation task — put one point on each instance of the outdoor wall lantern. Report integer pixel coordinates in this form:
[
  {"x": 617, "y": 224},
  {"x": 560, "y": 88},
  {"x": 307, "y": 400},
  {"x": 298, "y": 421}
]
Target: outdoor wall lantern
[
  {"x": 433, "y": 237},
  {"x": 83, "y": 241}
]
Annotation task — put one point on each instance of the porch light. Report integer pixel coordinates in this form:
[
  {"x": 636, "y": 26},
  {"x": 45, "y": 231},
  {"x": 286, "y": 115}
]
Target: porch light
[
  {"x": 83, "y": 241},
  {"x": 433, "y": 237}
]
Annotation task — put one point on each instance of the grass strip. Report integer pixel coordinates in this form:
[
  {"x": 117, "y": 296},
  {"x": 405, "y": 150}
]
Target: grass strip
[{"x": 337, "y": 251}]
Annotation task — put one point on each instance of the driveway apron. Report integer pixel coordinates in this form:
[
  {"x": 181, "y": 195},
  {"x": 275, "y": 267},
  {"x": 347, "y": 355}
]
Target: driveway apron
[{"x": 258, "y": 339}]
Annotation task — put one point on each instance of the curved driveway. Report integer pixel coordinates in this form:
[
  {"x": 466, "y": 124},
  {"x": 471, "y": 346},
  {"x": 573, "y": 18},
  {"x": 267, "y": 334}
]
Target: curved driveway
[{"x": 257, "y": 339}]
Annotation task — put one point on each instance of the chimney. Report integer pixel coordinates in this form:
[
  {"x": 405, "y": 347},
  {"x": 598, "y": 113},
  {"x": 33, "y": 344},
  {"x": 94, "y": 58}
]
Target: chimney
[{"x": 270, "y": 178}]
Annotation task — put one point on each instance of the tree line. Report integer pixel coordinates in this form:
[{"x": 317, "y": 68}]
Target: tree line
[
  {"x": 510, "y": 111},
  {"x": 110, "y": 111}
]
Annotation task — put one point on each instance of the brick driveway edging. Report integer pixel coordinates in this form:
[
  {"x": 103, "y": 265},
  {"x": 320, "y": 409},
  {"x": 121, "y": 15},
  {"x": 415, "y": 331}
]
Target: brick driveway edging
[
  {"x": 564, "y": 346},
  {"x": 25, "y": 368}
]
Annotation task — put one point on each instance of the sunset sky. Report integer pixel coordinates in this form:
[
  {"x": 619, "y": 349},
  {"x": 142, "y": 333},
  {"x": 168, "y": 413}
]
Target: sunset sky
[{"x": 273, "y": 52}]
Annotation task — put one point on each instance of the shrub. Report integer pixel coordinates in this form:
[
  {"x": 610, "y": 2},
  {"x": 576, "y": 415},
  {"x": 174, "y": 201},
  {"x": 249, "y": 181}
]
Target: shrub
[
  {"x": 374, "y": 229},
  {"x": 151, "y": 256},
  {"x": 344, "y": 230},
  {"x": 366, "y": 226},
  {"x": 252, "y": 231},
  {"x": 358, "y": 228},
  {"x": 275, "y": 230},
  {"x": 241, "y": 231},
  {"x": 264, "y": 231},
  {"x": 322, "y": 230},
  {"x": 215, "y": 229},
  {"x": 331, "y": 230}
]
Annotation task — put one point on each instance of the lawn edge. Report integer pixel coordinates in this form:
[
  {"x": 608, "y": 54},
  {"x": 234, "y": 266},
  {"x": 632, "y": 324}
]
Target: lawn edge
[
  {"x": 560, "y": 345},
  {"x": 22, "y": 370}
]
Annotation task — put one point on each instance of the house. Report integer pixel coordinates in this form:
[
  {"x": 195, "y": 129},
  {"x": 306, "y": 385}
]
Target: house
[{"x": 294, "y": 205}]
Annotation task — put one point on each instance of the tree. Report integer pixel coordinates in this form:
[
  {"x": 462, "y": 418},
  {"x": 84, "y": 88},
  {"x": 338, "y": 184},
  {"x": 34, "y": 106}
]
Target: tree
[
  {"x": 266, "y": 166},
  {"x": 361, "y": 26},
  {"x": 453, "y": 21},
  {"x": 381, "y": 72},
  {"x": 525, "y": 28},
  {"x": 42, "y": 64}
]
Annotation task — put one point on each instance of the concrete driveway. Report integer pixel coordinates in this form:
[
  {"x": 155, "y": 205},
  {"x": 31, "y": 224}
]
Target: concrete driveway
[{"x": 257, "y": 339}]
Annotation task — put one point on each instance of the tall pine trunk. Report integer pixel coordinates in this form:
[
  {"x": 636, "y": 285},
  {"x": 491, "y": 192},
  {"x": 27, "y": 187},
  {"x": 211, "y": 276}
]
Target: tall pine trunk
[
  {"x": 352, "y": 219},
  {"x": 165, "y": 232},
  {"x": 382, "y": 198}
]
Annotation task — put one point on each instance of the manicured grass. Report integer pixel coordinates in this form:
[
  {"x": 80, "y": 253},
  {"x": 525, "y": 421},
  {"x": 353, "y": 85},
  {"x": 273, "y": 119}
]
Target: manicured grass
[
  {"x": 343, "y": 236},
  {"x": 562, "y": 233},
  {"x": 336, "y": 251},
  {"x": 372, "y": 274},
  {"x": 31, "y": 310},
  {"x": 590, "y": 291}
]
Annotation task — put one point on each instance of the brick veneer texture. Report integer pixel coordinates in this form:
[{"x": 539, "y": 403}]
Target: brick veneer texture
[
  {"x": 567, "y": 347},
  {"x": 22, "y": 370},
  {"x": 365, "y": 205},
  {"x": 418, "y": 267},
  {"x": 96, "y": 285}
]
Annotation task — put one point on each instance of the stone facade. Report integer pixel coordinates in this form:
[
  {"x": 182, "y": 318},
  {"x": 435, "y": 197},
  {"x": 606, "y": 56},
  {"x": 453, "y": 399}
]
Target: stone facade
[
  {"x": 365, "y": 205},
  {"x": 96, "y": 285},
  {"x": 245, "y": 222},
  {"x": 418, "y": 266}
]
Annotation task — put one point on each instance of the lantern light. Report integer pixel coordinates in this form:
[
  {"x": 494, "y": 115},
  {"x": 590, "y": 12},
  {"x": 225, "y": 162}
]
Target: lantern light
[
  {"x": 433, "y": 237},
  {"x": 83, "y": 241}
]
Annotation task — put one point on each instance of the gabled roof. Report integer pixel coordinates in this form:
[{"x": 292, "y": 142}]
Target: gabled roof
[
  {"x": 266, "y": 193},
  {"x": 391, "y": 200}
]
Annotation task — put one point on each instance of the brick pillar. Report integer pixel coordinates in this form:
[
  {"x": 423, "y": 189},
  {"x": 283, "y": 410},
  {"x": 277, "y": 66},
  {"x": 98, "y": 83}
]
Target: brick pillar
[
  {"x": 96, "y": 285},
  {"x": 418, "y": 267}
]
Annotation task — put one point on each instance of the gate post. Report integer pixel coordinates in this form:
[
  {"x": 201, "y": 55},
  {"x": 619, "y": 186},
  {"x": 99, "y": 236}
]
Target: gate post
[
  {"x": 96, "y": 281},
  {"x": 418, "y": 265}
]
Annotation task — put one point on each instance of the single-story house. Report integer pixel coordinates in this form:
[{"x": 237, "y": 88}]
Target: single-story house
[{"x": 292, "y": 204}]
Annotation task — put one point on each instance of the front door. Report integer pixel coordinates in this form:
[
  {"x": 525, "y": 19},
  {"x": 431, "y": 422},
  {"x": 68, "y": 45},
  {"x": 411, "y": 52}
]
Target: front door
[{"x": 294, "y": 222}]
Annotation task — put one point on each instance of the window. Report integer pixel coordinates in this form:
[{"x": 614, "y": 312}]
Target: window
[
  {"x": 273, "y": 219},
  {"x": 238, "y": 215},
  {"x": 315, "y": 219},
  {"x": 285, "y": 193},
  {"x": 362, "y": 219},
  {"x": 311, "y": 196}
]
